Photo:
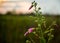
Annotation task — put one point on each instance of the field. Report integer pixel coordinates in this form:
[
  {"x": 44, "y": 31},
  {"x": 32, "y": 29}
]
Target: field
[{"x": 13, "y": 27}]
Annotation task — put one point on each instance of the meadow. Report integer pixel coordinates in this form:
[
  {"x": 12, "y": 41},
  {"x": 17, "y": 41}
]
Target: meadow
[{"x": 13, "y": 27}]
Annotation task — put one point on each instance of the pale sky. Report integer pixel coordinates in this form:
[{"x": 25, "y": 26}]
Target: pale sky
[{"x": 47, "y": 6}]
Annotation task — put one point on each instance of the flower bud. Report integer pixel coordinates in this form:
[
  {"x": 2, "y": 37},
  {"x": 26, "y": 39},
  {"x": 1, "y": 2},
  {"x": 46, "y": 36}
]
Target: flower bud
[{"x": 30, "y": 7}]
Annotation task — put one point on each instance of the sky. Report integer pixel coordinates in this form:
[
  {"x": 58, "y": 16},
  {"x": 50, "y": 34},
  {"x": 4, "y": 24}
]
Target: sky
[{"x": 22, "y": 6}]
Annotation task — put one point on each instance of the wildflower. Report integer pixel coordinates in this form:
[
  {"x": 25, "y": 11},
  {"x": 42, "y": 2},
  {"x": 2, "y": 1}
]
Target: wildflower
[
  {"x": 30, "y": 7},
  {"x": 26, "y": 33},
  {"x": 29, "y": 31}
]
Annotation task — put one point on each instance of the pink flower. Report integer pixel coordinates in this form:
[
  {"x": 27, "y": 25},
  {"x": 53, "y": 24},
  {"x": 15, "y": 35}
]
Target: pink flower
[
  {"x": 29, "y": 31},
  {"x": 30, "y": 7},
  {"x": 26, "y": 33}
]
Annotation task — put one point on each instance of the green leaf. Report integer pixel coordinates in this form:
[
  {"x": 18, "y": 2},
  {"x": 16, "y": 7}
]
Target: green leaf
[
  {"x": 51, "y": 29},
  {"x": 42, "y": 40},
  {"x": 27, "y": 41},
  {"x": 46, "y": 31}
]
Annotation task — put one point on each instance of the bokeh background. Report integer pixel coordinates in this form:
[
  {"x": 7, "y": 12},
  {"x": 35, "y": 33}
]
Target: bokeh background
[{"x": 15, "y": 19}]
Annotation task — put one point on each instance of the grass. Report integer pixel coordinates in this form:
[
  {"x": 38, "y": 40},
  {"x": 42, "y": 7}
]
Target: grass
[{"x": 12, "y": 28}]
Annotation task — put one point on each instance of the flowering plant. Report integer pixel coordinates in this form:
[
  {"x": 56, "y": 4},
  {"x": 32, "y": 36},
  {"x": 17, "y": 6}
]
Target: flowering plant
[{"x": 38, "y": 31}]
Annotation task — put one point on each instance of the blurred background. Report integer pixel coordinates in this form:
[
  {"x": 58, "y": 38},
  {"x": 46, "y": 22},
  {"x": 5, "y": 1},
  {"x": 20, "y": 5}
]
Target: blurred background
[{"x": 15, "y": 19}]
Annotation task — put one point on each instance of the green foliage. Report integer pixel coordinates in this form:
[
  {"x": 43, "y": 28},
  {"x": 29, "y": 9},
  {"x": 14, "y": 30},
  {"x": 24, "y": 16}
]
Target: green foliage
[
  {"x": 40, "y": 19},
  {"x": 12, "y": 28}
]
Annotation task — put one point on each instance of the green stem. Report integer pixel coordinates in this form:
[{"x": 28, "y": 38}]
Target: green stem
[
  {"x": 31, "y": 39},
  {"x": 39, "y": 18}
]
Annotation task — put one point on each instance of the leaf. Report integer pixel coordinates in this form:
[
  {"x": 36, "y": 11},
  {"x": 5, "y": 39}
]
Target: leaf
[
  {"x": 50, "y": 37},
  {"x": 51, "y": 29},
  {"x": 46, "y": 31},
  {"x": 27, "y": 41},
  {"x": 42, "y": 40}
]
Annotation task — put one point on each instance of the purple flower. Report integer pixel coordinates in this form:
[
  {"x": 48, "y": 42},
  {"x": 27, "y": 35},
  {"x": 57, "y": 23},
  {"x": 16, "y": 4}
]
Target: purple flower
[{"x": 29, "y": 31}]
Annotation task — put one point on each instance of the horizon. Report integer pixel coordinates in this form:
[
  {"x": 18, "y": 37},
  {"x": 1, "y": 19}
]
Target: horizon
[{"x": 22, "y": 6}]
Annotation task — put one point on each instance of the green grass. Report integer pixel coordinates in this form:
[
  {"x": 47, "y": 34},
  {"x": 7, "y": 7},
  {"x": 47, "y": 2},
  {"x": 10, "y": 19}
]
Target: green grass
[{"x": 12, "y": 28}]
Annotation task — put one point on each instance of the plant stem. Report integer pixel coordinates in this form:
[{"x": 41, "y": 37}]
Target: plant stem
[{"x": 31, "y": 39}]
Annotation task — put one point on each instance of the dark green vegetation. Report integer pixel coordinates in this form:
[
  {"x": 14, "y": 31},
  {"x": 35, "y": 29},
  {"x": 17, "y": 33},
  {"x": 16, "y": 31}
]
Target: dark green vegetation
[{"x": 13, "y": 27}]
